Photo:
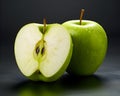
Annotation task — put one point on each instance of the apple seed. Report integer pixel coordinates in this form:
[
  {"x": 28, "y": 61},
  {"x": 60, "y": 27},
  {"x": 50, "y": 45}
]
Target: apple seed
[{"x": 37, "y": 50}]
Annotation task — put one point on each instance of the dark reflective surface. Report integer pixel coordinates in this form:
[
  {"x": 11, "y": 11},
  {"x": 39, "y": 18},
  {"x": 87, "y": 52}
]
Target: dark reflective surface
[
  {"x": 60, "y": 87},
  {"x": 102, "y": 84},
  {"x": 66, "y": 82}
]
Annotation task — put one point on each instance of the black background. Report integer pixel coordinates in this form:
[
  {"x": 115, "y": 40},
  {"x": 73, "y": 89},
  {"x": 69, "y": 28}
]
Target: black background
[{"x": 16, "y": 13}]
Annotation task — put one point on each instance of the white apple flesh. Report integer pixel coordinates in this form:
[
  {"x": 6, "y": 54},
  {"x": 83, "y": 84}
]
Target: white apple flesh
[{"x": 43, "y": 56}]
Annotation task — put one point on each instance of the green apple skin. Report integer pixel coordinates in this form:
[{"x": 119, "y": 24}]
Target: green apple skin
[
  {"x": 33, "y": 70},
  {"x": 89, "y": 46}
]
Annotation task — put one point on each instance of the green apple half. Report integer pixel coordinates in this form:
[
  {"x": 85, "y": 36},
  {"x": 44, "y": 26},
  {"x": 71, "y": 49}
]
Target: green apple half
[
  {"x": 90, "y": 45},
  {"x": 43, "y": 56}
]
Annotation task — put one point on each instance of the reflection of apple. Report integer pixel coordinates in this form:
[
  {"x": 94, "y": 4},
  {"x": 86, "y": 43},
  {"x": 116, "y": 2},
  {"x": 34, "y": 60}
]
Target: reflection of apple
[
  {"x": 63, "y": 87},
  {"x": 28, "y": 88},
  {"x": 90, "y": 45},
  {"x": 43, "y": 55}
]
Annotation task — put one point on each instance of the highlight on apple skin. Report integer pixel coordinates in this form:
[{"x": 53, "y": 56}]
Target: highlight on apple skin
[
  {"x": 43, "y": 55},
  {"x": 89, "y": 46}
]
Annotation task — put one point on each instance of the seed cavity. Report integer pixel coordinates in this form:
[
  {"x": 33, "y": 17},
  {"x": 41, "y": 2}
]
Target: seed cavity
[{"x": 40, "y": 50}]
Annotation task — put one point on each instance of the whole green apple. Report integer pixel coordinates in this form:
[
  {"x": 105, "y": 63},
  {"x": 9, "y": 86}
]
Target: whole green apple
[
  {"x": 43, "y": 55},
  {"x": 89, "y": 46}
]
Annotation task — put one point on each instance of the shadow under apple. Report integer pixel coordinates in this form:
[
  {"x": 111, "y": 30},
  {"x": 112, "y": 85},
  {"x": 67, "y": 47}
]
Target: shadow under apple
[
  {"x": 81, "y": 82},
  {"x": 65, "y": 84}
]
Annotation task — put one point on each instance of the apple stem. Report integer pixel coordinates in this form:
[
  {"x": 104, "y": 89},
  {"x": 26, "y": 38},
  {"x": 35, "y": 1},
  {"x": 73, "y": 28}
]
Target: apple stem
[
  {"x": 44, "y": 23},
  {"x": 81, "y": 15}
]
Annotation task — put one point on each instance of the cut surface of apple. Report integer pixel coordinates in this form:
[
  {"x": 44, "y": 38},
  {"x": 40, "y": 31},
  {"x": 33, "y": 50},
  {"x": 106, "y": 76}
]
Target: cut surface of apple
[{"x": 43, "y": 56}]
